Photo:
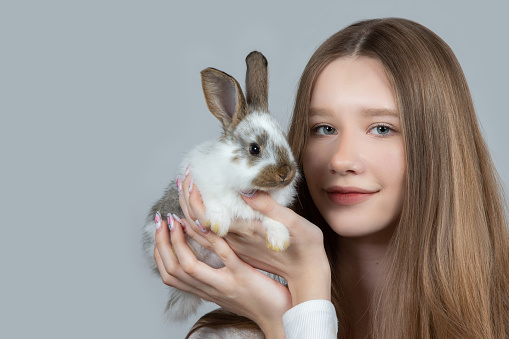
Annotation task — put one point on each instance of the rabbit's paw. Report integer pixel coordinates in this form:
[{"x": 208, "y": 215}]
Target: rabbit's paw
[
  {"x": 277, "y": 236},
  {"x": 218, "y": 221}
]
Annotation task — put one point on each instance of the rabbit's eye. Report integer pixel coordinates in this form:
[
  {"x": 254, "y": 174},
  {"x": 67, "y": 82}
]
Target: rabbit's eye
[{"x": 254, "y": 149}]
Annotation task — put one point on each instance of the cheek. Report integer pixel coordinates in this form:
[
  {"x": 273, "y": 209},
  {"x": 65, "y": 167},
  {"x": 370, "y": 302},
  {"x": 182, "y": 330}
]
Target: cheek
[
  {"x": 314, "y": 163},
  {"x": 391, "y": 174},
  {"x": 390, "y": 163}
]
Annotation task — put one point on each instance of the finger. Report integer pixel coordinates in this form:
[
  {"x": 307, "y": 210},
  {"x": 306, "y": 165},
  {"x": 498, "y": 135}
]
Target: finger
[
  {"x": 196, "y": 236},
  {"x": 167, "y": 252},
  {"x": 263, "y": 203},
  {"x": 183, "y": 206},
  {"x": 170, "y": 261},
  {"x": 197, "y": 269},
  {"x": 223, "y": 250},
  {"x": 195, "y": 203},
  {"x": 187, "y": 187},
  {"x": 186, "y": 258},
  {"x": 175, "y": 282},
  {"x": 195, "y": 210},
  {"x": 167, "y": 278},
  {"x": 164, "y": 248},
  {"x": 183, "y": 195}
]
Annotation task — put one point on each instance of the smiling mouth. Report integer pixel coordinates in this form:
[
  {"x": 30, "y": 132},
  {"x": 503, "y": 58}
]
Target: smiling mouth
[{"x": 347, "y": 197}]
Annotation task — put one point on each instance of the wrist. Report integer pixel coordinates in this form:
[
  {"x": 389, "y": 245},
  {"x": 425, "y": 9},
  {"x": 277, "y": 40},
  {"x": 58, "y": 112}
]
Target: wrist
[
  {"x": 313, "y": 284},
  {"x": 273, "y": 329}
]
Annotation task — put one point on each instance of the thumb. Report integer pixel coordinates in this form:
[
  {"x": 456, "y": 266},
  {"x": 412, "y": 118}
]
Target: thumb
[{"x": 265, "y": 204}]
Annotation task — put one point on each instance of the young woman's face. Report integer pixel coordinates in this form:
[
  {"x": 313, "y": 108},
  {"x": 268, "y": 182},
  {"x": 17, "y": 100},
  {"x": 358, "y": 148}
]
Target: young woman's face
[{"x": 354, "y": 160}]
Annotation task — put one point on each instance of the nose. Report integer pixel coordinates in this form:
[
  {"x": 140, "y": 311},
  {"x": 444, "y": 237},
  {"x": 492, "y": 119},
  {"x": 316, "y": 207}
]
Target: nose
[
  {"x": 346, "y": 157},
  {"x": 283, "y": 172}
]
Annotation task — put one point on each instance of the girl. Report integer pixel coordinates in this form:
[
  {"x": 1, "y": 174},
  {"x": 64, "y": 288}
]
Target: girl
[{"x": 400, "y": 227}]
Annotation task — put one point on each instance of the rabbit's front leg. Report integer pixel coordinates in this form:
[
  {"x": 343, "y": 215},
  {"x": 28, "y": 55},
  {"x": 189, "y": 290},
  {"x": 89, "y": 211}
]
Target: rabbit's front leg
[
  {"x": 277, "y": 235},
  {"x": 218, "y": 218}
]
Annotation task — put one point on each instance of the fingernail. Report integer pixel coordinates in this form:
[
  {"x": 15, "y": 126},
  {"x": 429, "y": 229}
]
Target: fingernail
[
  {"x": 179, "y": 184},
  {"x": 171, "y": 223},
  {"x": 180, "y": 221},
  {"x": 187, "y": 170},
  {"x": 250, "y": 195},
  {"x": 176, "y": 218},
  {"x": 191, "y": 185},
  {"x": 201, "y": 228},
  {"x": 158, "y": 220}
]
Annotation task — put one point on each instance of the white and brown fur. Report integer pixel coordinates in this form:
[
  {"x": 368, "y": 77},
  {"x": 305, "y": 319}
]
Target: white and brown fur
[{"x": 225, "y": 168}]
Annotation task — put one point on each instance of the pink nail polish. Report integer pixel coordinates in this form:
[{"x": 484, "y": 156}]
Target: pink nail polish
[
  {"x": 201, "y": 228},
  {"x": 177, "y": 218},
  {"x": 171, "y": 223},
  {"x": 158, "y": 220},
  {"x": 182, "y": 222},
  {"x": 187, "y": 170},
  {"x": 179, "y": 184}
]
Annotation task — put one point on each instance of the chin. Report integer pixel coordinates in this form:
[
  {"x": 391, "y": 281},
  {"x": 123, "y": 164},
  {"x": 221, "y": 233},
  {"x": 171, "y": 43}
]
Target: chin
[
  {"x": 361, "y": 220},
  {"x": 358, "y": 227}
]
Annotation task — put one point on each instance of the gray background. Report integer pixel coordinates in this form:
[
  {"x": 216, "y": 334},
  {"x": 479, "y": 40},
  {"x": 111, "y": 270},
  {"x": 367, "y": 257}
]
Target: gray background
[{"x": 99, "y": 100}]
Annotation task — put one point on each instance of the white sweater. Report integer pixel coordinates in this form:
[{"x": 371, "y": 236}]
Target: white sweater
[{"x": 313, "y": 319}]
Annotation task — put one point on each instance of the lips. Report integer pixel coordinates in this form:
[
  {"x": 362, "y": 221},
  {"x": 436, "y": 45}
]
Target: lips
[{"x": 348, "y": 196}]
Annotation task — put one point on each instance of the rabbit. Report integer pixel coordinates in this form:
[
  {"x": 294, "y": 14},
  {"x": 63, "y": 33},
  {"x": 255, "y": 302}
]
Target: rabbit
[{"x": 251, "y": 155}]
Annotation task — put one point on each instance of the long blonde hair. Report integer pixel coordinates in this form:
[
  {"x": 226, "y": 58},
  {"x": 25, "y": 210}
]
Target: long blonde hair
[{"x": 448, "y": 259}]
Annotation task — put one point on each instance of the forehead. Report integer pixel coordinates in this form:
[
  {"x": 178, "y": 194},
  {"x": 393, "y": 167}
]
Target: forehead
[{"x": 358, "y": 83}]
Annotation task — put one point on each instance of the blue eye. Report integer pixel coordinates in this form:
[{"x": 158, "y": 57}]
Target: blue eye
[
  {"x": 324, "y": 130},
  {"x": 382, "y": 130}
]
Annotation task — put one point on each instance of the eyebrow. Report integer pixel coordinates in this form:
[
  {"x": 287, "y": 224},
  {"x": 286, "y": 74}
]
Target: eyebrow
[
  {"x": 368, "y": 113},
  {"x": 319, "y": 111},
  {"x": 378, "y": 112}
]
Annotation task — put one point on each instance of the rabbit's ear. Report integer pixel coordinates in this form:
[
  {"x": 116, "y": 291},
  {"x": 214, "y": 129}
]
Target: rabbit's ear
[
  {"x": 257, "y": 82},
  {"x": 224, "y": 96}
]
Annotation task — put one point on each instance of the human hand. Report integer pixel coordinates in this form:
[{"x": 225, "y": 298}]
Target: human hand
[
  {"x": 304, "y": 264},
  {"x": 236, "y": 287}
]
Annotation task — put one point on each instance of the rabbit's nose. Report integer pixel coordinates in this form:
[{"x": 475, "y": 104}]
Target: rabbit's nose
[{"x": 283, "y": 172}]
